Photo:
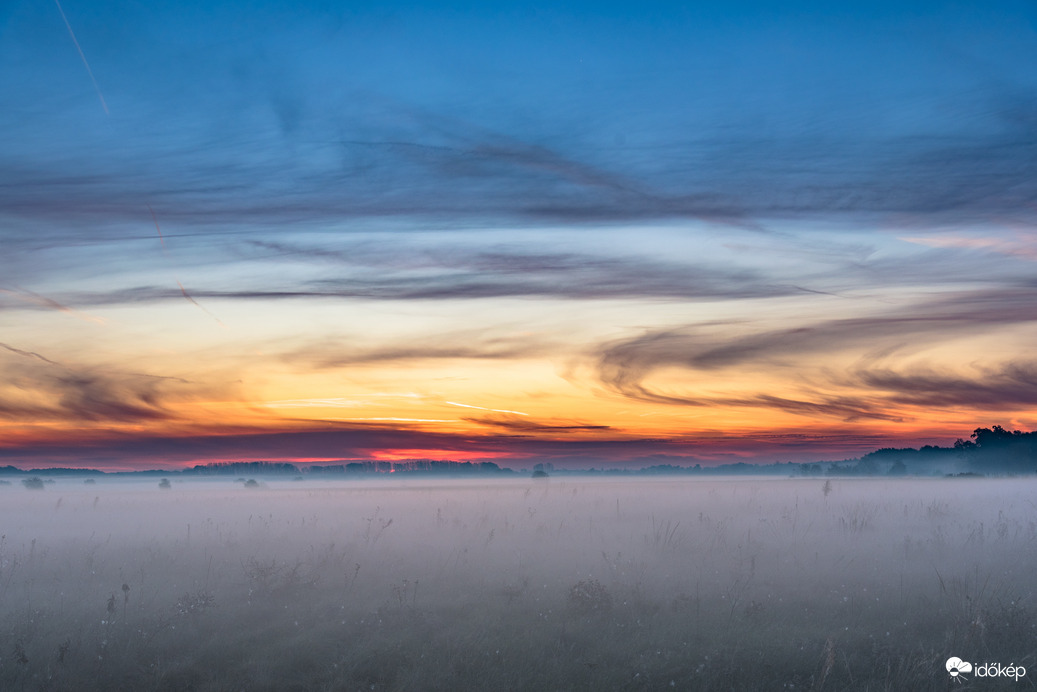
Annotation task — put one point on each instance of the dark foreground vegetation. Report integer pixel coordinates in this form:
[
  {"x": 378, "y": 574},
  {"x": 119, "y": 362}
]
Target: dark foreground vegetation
[{"x": 518, "y": 585}]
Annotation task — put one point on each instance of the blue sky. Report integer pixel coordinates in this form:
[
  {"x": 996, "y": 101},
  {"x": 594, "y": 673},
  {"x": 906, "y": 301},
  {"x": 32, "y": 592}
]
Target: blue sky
[{"x": 520, "y": 113}]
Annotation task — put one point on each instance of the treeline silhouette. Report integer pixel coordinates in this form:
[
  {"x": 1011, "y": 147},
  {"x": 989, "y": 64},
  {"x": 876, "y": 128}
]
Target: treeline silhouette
[
  {"x": 999, "y": 450},
  {"x": 354, "y": 468},
  {"x": 988, "y": 451},
  {"x": 415, "y": 466}
]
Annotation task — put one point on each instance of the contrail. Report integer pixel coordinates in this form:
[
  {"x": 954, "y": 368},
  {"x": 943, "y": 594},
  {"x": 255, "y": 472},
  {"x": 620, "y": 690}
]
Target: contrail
[
  {"x": 483, "y": 408},
  {"x": 81, "y": 55},
  {"x": 199, "y": 305},
  {"x": 183, "y": 290},
  {"x": 161, "y": 238},
  {"x": 43, "y": 301}
]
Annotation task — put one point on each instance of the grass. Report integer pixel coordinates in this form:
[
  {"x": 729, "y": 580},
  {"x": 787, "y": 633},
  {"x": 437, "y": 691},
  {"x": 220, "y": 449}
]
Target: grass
[{"x": 725, "y": 585}]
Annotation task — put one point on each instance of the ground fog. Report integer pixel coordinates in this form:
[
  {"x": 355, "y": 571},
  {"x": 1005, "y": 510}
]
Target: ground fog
[{"x": 517, "y": 584}]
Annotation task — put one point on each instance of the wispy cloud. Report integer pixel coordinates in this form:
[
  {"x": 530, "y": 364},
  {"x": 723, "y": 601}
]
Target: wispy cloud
[
  {"x": 525, "y": 425},
  {"x": 626, "y": 365},
  {"x": 927, "y": 182},
  {"x": 1004, "y": 387},
  {"x": 335, "y": 402},
  {"x": 413, "y": 272},
  {"x": 81, "y": 395},
  {"x": 27, "y": 354},
  {"x": 37, "y": 388},
  {"x": 466, "y": 345},
  {"x": 1015, "y": 245}
]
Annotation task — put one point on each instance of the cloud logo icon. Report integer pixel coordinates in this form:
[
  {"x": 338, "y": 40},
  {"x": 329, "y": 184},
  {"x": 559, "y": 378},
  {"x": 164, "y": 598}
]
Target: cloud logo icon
[{"x": 956, "y": 666}]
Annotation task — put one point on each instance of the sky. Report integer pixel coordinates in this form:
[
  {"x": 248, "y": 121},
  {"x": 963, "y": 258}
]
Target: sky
[{"x": 594, "y": 234}]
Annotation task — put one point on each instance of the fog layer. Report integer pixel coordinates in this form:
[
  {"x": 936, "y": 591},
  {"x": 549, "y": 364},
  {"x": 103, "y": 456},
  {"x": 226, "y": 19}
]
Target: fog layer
[{"x": 514, "y": 584}]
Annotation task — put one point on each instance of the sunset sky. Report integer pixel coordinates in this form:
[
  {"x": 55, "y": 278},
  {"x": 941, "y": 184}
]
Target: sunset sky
[{"x": 587, "y": 233}]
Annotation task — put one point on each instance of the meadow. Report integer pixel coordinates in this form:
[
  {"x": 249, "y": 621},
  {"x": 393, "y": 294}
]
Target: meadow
[{"x": 565, "y": 583}]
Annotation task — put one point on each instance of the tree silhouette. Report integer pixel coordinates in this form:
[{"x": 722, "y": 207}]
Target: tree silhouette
[{"x": 999, "y": 450}]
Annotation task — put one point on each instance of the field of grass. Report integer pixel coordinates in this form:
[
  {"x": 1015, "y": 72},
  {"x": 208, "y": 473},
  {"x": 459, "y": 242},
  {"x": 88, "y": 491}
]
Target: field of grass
[{"x": 517, "y": 584}]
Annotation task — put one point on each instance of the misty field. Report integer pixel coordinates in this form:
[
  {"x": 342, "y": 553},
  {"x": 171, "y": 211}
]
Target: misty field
[{"x": 517, "y": 584}]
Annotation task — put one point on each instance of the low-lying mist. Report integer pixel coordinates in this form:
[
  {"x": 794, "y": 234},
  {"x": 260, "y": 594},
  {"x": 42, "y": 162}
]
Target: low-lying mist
[{"x": 656, "y": 583}]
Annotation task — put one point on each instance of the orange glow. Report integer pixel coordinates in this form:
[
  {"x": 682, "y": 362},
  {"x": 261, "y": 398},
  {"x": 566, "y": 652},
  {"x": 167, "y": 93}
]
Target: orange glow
[{"x": 611, "y": 382}]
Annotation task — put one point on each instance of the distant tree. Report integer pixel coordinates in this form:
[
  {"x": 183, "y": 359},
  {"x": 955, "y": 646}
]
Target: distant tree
[
  {"x": 999, "y": 450},
  {"x": 34, "y": 483},
  {"x": 899, "y": 468},
  {"x": 866, "y": 467},
  {"x": 993, "y": 437}
]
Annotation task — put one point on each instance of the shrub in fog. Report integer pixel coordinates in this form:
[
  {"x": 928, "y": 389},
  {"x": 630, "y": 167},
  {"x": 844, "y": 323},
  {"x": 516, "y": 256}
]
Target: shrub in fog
[{"x": 589, "y": 596}]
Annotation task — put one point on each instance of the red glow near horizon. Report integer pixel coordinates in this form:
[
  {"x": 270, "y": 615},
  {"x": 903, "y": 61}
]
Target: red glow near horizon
[
  {"x": 434, "y": 455},
  {"x": 89, "y": 450}
]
